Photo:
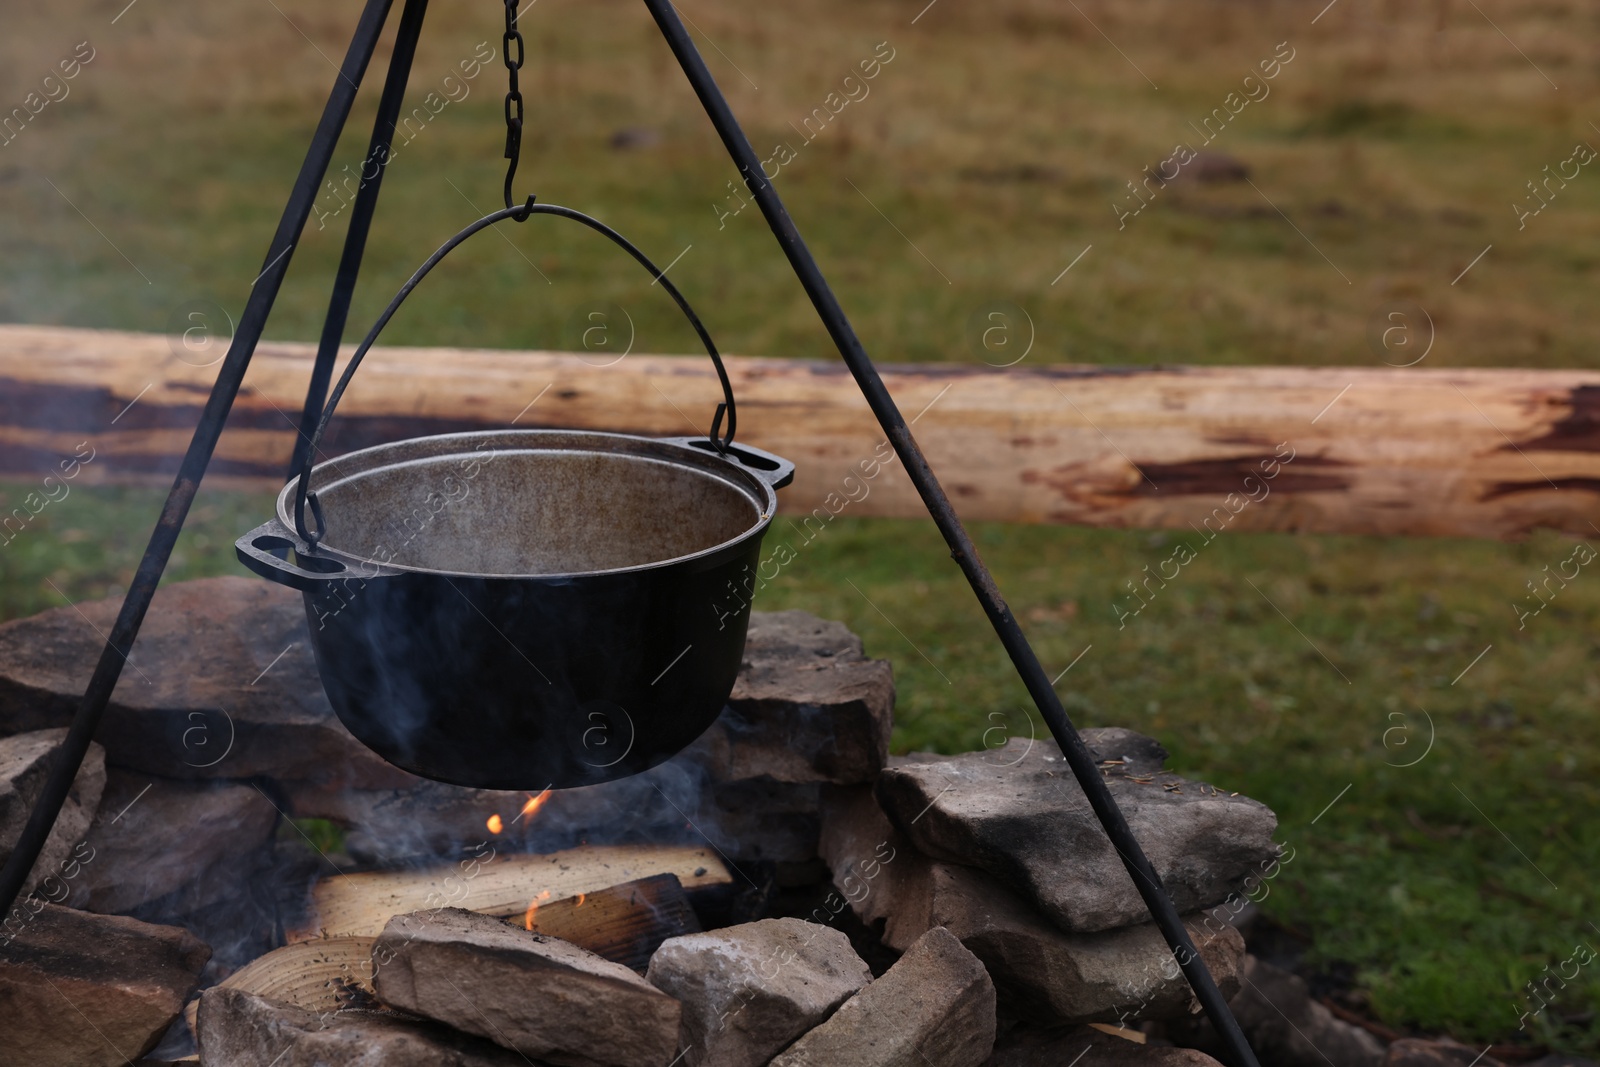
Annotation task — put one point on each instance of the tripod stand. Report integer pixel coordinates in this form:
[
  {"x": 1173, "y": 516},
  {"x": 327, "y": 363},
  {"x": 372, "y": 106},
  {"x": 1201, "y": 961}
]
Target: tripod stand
[{"x": 251, "y": 323}]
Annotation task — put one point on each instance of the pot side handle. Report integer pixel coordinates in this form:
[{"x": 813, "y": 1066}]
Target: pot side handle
[
  {"x": 264, "y": 549},
  {"x": 772, "y": 469}
]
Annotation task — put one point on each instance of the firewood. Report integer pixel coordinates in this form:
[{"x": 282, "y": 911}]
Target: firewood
[
  {"x": 321, "y": 975},
  {"x": 360, "y": 904},
  {"x": 624, "y": 924},
  {"x": 1376, "y": 449}
]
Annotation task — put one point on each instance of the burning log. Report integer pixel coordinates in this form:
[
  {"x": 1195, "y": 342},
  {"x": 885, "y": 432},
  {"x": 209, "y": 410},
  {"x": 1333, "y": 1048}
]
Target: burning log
[
  {"x": 361, "y": 904},
  {"x": 624, "y": 924}
]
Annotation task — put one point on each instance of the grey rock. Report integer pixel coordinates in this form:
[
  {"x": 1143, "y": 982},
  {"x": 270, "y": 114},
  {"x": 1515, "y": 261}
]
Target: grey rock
[
  {"x": 155, "y": 838},
  {"x": 1286, "y": 1027},
  {"x": 748, "y": 991},
  {"x": 1086, "y": 1047},
  {"x": 1411, "y": 1052},
  {"x": 808, "y": 706},
  {"x": 934, "y": 1008},
  {"x": 761, "y": 819},
  {"x": 866, "y": 855},
  {"x": 1050, "y": 976},
  {"x": 1018, "y": 813},
  {"x": 221, "y": 683},
  {"x": 24, "y": 766},
  {"x": 239, "y": 1029},
  {"x": 1054, "y": 976},
  {"x": 84, "y": 990},
  {"x": 538, "y": 995}
]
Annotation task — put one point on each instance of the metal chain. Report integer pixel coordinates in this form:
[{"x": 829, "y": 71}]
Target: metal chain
[{"x": 512, "y": 36}]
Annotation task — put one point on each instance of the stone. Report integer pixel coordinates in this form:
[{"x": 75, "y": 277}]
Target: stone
[
  {"x": 1018, "y": 813},
  {"x": 861, "y": 847},
  {"x": 762, "y": 820},
  {"x": 537, "y": 995},
  {"x": 24, "y": 766},
  {"x": 1285, "y": 1026},
  {"x": 221, "y": 683},
  {"x": 934, "y": 1008},
  {"x": 188, "y": 841},
  {"x": 748, "y": 991},
  {"x": 1085, "y": 1046},
  {"x": 1054, "y": 977},
  {"x": 236, "y": 1028},
  {"x": 1411, "y": 1052},
  {"x": 808, "y": 706},
  {"x": 85, "y": 990}
]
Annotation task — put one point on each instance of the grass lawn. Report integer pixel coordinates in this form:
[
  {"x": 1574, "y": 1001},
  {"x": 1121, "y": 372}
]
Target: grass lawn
[{"x": 992, "y": 149}]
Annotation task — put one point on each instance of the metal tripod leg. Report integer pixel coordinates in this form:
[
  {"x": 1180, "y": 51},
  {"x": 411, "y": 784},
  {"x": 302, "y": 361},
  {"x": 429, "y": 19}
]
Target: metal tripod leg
[
  {"x": 69, "y": 757},
  {"x": 962, "y": 549},
  {"x": 355, "y": 239}
]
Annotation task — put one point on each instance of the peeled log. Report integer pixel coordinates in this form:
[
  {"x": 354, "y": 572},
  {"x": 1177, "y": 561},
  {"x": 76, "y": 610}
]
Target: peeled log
[
  {"x": 1377, "y": 450},
  {"x": 359, "y": 905}
]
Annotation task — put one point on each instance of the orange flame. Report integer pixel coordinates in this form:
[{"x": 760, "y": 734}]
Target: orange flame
[
  {"x": 495, "y": 824},
  {"x": 535, "y": 803},
  {"x": 533, "y": 910},
  {"x": 579, "y": 904}
]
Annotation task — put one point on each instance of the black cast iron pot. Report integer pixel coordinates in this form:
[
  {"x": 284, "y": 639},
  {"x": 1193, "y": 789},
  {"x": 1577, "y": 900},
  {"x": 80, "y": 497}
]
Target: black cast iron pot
[{"x": 526, "y": 609}]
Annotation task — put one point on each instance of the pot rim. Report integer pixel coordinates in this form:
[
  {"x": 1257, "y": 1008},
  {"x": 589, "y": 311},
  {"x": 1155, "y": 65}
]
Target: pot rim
[{"x": 351, "y": 465}]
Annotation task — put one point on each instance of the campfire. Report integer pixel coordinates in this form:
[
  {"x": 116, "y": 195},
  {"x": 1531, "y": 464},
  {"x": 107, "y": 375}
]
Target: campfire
[{"x": 781, "y": 892}]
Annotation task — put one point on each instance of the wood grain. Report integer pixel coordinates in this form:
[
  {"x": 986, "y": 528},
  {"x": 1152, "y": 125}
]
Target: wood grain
[
  {"x": 1377, "y": 450},
  {"x": 624, "y": 924},
  {"x": 358, "y": 905}
]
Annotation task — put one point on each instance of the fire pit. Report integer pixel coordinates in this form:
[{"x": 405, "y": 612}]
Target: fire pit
[{"x": 782, "y": 891}]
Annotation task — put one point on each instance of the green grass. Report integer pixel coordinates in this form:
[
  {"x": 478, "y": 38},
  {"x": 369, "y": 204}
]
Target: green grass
[{"x": 996, "y": 141}]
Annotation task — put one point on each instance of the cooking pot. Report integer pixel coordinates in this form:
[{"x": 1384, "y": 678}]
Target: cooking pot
[{"x": 526, "y": 609}]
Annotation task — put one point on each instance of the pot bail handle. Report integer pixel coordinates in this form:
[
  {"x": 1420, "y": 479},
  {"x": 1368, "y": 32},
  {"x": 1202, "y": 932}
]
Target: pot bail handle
[{"x": 717, "y": 440}]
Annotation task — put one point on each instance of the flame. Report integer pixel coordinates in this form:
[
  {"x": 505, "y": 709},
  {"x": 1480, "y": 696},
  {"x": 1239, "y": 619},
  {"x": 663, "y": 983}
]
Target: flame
[
  {"x": 533, "y": 910},
  {"x": 535, "y": 803},
  {"x": 495, "y": 824},
  {"x": 579, "y": 904}
]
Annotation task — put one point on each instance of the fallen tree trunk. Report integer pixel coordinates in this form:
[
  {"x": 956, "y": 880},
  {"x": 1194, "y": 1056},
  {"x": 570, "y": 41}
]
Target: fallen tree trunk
[{"x": 1375, "y": 450}]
